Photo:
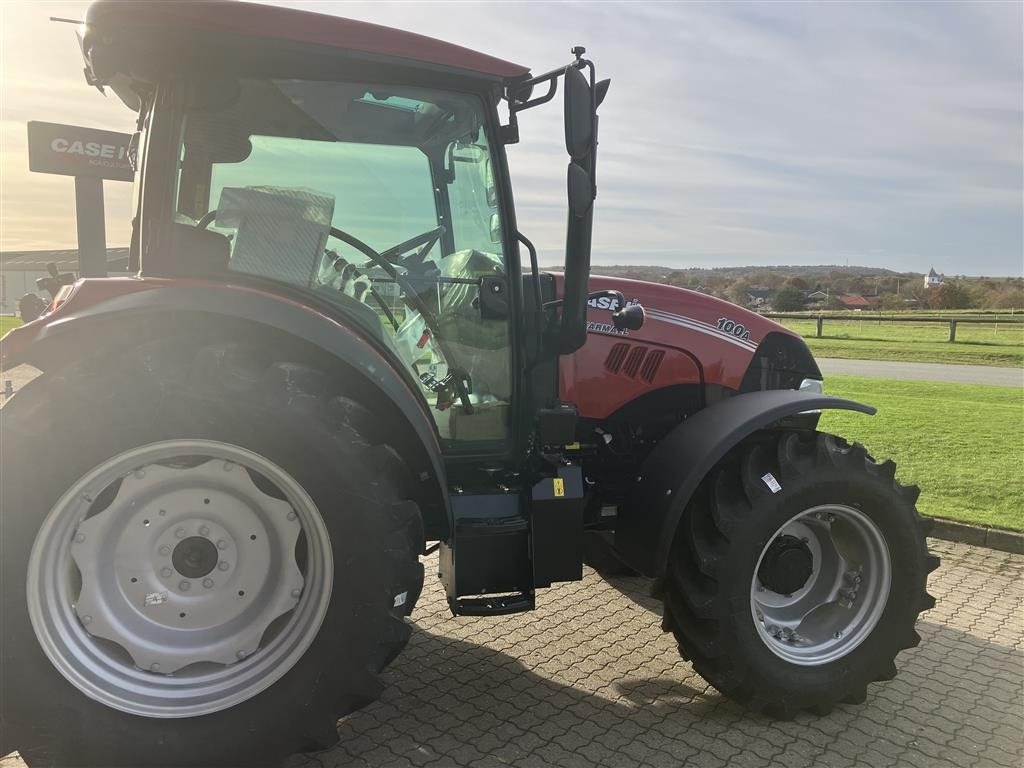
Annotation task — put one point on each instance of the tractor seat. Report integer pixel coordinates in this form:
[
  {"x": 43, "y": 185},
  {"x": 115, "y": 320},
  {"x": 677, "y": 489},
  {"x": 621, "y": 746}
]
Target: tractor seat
[{"x": 197, "y": 252}]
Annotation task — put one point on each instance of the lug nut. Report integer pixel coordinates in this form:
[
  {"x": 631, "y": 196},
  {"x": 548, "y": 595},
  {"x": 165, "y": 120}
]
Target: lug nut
[
  {"x": 184, "y": 586},
  {"x": 223, "y": 565},
  {"x": 207, "y": 583},
  {"x": 296, "y": 593},
  {"x": 165, "y": 572},
  {"x": 292, "y": 515},
  {"x": 87, "y": 619},
  {"x": 165, "y": 550},
  {"x": 79, "y": 538},
  {"x": 154, "y": 667},
  {"x": 241, "y": 654},
  {"x": 221, "y": 544},
  {"x": 837, "y": 635},
  {"x": 180, "y": 533}
]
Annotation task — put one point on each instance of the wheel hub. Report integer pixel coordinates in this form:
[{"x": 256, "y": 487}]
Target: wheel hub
[
  {"x": 184, "y": 595},
  {"x": 820, "y": 585},
  {"x": 194, "y": 557},
  {"x": 786, "y": 566},
  {"x": 187, "y": 564}
]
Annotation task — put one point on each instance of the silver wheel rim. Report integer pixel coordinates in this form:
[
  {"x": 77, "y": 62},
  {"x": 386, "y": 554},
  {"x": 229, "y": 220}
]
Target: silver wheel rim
[
  {"x": 841, "y": 601},
  {"x": 192, "y": 591}
]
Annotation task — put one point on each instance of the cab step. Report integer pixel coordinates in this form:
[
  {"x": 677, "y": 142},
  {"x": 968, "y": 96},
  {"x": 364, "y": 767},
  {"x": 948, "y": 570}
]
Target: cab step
[{"x": 492, "y": 605}]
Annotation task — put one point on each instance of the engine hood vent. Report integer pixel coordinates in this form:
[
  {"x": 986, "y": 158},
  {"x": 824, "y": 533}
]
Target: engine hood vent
[{"x": 631, "y": 361}]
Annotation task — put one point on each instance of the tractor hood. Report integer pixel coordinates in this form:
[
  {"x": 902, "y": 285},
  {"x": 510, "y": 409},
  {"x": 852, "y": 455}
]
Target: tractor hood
[
  {"x": 669, "y": 308},
  {"x": 689, "y": 339}
]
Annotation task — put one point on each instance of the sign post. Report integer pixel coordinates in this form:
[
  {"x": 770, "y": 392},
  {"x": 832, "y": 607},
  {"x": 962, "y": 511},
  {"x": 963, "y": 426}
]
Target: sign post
[{"x": 90, "y": 155}]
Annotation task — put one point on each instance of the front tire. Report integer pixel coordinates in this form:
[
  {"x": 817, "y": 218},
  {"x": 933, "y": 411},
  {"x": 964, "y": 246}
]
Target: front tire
[
  {"x": 128, "y": 493},
  {"x": 797, "y": 574}
]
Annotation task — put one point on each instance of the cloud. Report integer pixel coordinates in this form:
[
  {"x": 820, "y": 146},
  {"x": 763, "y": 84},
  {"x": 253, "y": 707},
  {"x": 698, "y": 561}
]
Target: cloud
[{"x": 751, "y": 133}]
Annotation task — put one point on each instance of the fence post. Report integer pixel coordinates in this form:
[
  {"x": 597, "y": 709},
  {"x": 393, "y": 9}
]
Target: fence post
[
  {"x": 819, "y": 325},
  {"x": 952, "y": 330}
]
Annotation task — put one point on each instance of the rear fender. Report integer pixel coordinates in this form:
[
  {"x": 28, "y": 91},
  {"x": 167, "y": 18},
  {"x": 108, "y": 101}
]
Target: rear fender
[
  {"x": 104, "y": 315},
  {"x": 675, "y": 468}
]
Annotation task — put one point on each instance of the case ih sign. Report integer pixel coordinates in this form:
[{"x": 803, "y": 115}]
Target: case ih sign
[{"x": 70, "y": 150}]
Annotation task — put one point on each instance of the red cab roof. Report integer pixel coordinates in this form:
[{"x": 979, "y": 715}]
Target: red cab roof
[{"x": 267, "y": 21}]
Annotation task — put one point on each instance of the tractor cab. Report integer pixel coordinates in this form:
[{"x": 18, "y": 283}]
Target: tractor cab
[
  {"x": 379, "y": 201},
  {"x": 362, "y": 169}
]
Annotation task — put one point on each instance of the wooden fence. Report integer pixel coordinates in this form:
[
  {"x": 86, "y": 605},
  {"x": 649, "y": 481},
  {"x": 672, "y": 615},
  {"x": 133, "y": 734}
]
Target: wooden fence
[{"x": 952, "y": 322}]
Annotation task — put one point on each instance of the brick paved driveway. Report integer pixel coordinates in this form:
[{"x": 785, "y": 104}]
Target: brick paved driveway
[{"x": 589, "y": 679}]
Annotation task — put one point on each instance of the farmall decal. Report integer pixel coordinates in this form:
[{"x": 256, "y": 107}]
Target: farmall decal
[{"x": 609, "y": 304}]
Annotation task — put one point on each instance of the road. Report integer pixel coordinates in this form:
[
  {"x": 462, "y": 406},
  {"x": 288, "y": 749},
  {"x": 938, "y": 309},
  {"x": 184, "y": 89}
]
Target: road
[
  {"x": 589, "y": 679},
  {"x": 888, "y": 369}
]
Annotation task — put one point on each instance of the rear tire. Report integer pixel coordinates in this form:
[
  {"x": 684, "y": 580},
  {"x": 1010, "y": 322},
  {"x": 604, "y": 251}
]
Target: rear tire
[
  {"x": 712, "y": 586},
  {"x": 284, "y": 413}
]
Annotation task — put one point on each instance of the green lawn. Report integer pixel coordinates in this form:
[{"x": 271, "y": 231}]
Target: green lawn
[
  {"x": 6, "y": 323},
  {"x": 963, "y": 444},
  {"x": 983, "y": 344}
]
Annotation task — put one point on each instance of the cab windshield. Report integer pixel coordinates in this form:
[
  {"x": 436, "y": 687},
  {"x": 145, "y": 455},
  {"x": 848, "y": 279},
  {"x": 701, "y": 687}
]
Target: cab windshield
[{"x": 380, "y": 200}]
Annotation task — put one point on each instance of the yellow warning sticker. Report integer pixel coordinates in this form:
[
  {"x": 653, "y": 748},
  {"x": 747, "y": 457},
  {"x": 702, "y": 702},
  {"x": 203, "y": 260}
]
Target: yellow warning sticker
[{"x": 559, "y": 486}]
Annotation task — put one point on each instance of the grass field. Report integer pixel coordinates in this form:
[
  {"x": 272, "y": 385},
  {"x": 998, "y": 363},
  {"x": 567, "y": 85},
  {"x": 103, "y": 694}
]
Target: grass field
[
  {"x": 963, "y": 444},
  {"x": 984, "y": 344},
  {"x": 6, "y": 323}
]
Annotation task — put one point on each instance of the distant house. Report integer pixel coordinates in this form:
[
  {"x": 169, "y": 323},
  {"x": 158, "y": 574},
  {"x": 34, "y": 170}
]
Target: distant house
[
  {"x": 816, "y": 297},
  {"x": 759, "y": 297},
  {"x": 933, "y": 279},
  {"x": 855, "y": 301}
]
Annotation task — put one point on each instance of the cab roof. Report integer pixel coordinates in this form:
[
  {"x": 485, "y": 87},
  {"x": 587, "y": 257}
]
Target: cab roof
[{"x": 270, "y": 22}]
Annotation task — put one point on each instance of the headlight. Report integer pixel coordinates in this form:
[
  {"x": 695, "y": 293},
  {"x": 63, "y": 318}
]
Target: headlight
[{"x": 812, "y": 385}]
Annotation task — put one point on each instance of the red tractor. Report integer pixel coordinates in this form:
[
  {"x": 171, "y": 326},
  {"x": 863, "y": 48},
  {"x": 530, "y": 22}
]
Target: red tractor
[{"x": 331, "y": 355}]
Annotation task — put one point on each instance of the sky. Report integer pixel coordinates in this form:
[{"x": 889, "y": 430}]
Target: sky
[{"x": 877, "y": 134}]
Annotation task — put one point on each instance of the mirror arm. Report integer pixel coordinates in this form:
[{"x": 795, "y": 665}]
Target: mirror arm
[{"x": 538, "y": 299}]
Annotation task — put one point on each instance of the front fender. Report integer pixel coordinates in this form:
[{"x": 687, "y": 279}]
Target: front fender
[{"x": 673, "y": 470}]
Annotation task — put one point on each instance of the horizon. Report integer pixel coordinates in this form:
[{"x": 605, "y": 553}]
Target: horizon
[
  {"x": 684, "y": 268},
  {"x": 759, "y": 135}
]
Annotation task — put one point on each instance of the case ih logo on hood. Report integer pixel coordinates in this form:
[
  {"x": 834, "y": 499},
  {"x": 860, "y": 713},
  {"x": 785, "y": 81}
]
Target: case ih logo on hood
[{"x": 608, "y": 303}]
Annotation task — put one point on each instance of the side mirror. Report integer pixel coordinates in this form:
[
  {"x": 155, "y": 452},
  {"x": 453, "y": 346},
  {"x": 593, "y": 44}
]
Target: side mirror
[
  {"x": 495, "y": 228},
  {"x": 630, "y": 318},
  {"x": 579, "y": 114},
  {"x": 580, "y": 143}
]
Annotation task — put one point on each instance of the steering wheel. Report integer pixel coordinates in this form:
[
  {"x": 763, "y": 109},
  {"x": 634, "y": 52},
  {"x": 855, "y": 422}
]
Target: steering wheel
[
  {"x": 460, "y": 378},
  {"x": 424, "y": 242},
  {"x": 206, "y": 219},
  {"x": 387, "y": 261}
]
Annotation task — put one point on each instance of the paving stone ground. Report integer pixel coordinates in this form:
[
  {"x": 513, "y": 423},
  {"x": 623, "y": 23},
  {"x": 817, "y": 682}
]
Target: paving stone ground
[{"x": 589, "y": 679}]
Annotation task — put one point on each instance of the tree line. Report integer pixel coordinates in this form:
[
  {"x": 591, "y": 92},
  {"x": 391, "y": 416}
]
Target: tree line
[{"x": 792, "y": 287}]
